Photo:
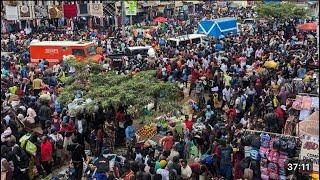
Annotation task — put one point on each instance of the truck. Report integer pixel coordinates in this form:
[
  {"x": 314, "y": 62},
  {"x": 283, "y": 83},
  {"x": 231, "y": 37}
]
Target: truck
[
  {"x": 54, "y": 51},
  {"x": 214, "y": 28}
]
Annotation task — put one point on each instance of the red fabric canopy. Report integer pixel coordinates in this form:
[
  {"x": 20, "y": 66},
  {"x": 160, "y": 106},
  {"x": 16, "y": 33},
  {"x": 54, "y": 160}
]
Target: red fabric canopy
[
  {"x": 160, "y": 20},
  {"x": 70, "y": 10},
  {"x": 308, "y": 27}
]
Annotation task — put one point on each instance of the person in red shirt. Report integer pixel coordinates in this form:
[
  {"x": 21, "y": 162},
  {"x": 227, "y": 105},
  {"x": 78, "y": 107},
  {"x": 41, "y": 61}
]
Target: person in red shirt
[
  {"x": 280, "y": 112},
  {"x": 216, "y": 152},
  {"x": 194, "y": 78},
  {"x": 188, "y": 123},
  {"x": 258, "y": 86},
  {"x": 46, "y": 154},
  {"x": 67, "y": 128},
  {"x": 196, "y": 168},
  {"x": 167, "y": 142},
  {"x": 169, "y": 69},
  {"x": 231, "y": 113}
]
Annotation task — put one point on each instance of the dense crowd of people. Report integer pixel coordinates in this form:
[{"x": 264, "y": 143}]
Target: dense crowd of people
[{"x": 227, "y": 81}]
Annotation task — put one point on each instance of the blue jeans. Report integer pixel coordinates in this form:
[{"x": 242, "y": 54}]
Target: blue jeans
[
  {"x": 101, "y": 176},
  {"x": 226, "y": 171}
]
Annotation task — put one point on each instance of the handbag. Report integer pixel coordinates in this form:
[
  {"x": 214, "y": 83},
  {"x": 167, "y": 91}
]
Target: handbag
[
  {"x": 248, "y": 173},
  {"x": 23, "y": 140}
]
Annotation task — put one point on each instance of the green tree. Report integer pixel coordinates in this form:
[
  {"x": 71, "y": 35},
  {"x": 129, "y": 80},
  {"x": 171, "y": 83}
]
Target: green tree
[
  {"x": 134, "y": 91},
  {"x": 280, "y": 11}
]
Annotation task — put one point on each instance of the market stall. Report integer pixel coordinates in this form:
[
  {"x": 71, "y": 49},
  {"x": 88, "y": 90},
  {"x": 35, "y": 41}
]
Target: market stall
[{"x": 270, "y": 152}]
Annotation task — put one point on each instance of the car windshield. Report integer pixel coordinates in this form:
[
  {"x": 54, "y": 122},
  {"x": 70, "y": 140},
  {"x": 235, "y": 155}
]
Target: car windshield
[
  {"x": 248, "y": 21},
  {"x": 78, "y": 52},
  {"x": 92, "y": 50}
]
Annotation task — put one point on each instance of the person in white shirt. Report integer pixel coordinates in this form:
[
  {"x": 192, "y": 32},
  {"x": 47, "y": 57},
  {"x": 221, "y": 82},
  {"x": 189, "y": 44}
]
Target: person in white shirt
[
  {"x": 205, "y": 63},
  {"x": 190, "y": 63},
  {"x": 244, "y": 121},
  {"x": 238, "y": 104},
  {"x": 250, "y": 91},
  {"x": 249, "y": 51},
  {"x": 57, "y": 139},
  {"x": 226, "y": 92},
  {"x": 258, "y": 53},
  {"x": 56, "y": 68},
  {"x": 224, "y": 67},
  {"x": 163, "y": 171},
  {"x": 186, "y": 171}
]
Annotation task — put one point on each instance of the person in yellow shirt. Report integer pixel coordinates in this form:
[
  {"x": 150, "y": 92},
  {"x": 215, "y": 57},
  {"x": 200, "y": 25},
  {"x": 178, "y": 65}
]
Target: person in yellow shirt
[
  {"x": 307, "y": 77},
  {"x": 226, "y": 79},
  {"x": 37, "y": 84},
  {"x": 13, "y": 89}
]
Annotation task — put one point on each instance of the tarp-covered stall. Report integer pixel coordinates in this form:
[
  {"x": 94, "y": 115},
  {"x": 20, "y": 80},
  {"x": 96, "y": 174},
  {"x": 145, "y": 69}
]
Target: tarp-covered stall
[{"x": 218, "y": 27}]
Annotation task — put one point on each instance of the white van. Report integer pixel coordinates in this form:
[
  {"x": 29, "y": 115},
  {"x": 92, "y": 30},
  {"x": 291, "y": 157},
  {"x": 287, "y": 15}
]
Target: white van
[
  {"x": 186, "y": 39},
  {"x": 135, "y": 50}
]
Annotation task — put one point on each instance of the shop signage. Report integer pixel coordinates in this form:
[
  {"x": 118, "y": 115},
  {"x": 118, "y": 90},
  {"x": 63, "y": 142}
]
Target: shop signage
[
  {"x": 131, "y": 8},
  {"x": 310, "y": 152}
]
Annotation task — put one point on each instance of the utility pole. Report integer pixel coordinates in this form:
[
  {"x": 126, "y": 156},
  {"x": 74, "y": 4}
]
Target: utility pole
[
  {"x": 122, "y": 17},
  {"x": 115, "y": 15},
  {"x": 318, "y": 37},
  {"x": 130, "y": 20}
]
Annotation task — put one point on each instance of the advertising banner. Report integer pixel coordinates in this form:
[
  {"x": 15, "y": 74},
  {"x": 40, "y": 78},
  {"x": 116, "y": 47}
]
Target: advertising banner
[
  {"x": 40, "y": 11},
  {"x": 26, "y": 12},
  {"x": 12, "y": 13},
  {"x": 310, "y": 151},
  {"x": 56, "y": 11}
]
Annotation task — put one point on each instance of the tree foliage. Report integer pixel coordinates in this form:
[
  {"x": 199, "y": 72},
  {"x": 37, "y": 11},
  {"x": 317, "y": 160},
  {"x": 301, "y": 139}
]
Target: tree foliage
[
  {"x": 280, "y": 11},
  {"x": 134, "y": 91}
]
